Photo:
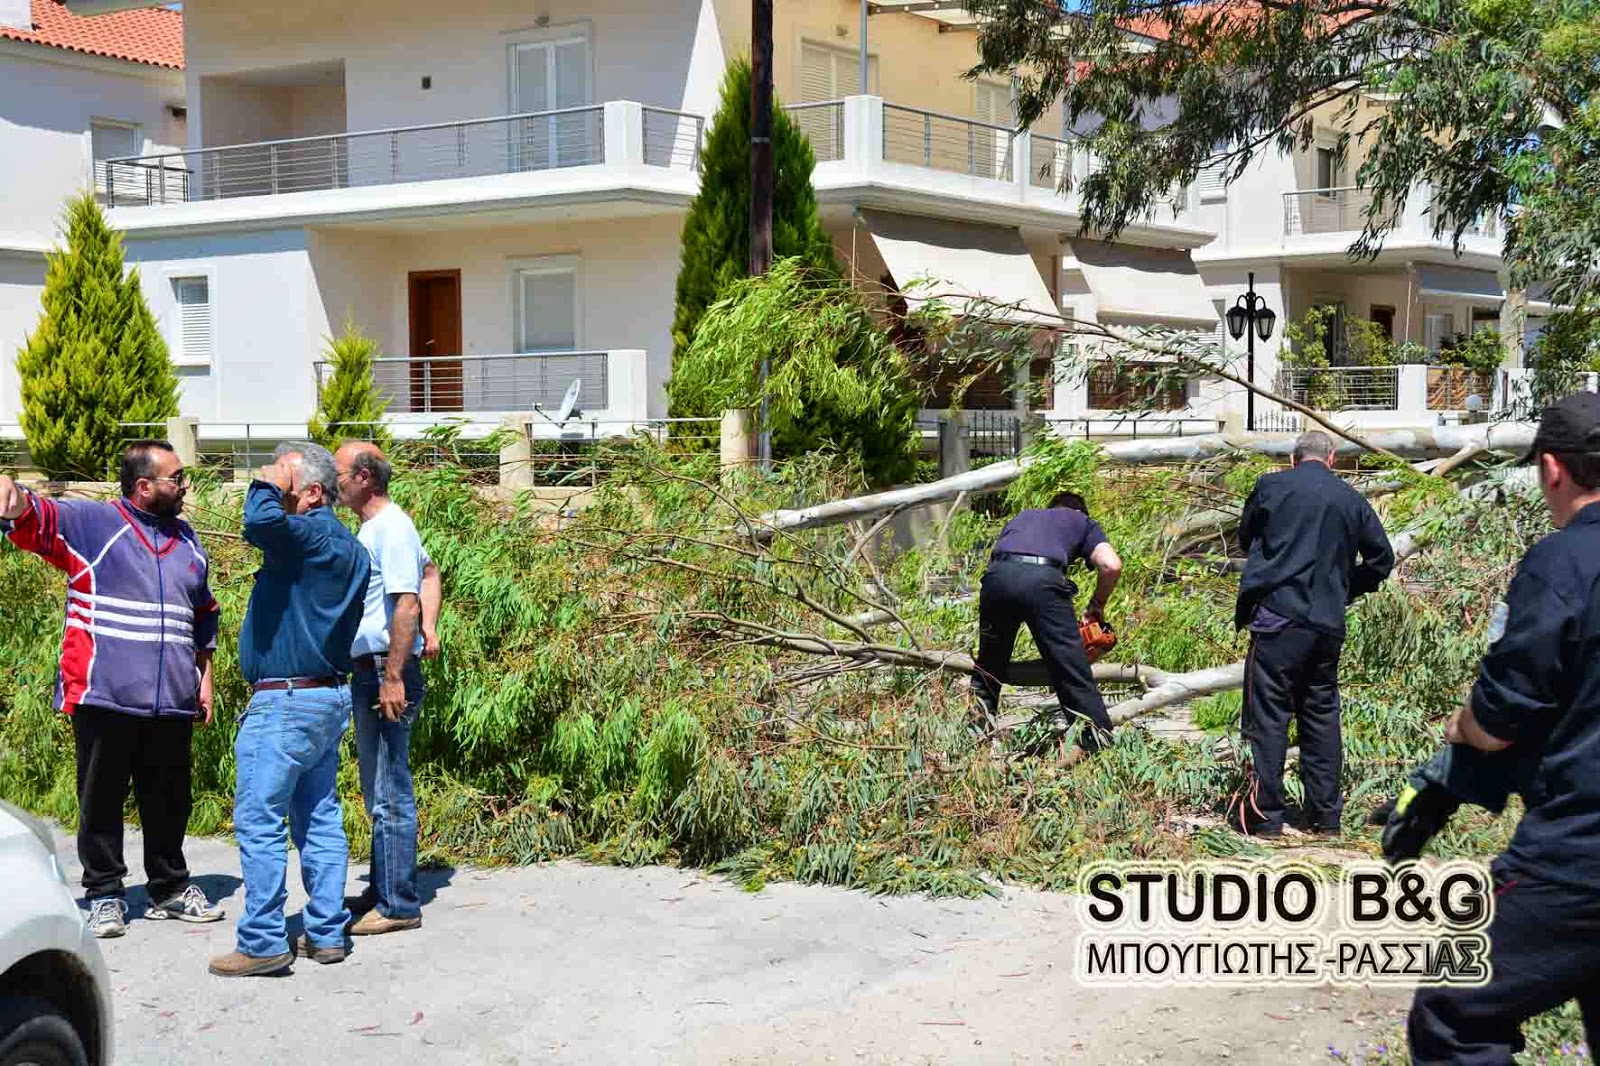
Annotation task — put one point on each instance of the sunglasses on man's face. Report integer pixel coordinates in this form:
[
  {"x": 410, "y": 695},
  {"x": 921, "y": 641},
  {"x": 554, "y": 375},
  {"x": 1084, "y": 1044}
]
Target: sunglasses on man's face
[{"x": 180, "y": 479}]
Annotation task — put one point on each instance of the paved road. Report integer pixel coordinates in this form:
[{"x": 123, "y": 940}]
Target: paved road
[{"x": 574, "y": 963}]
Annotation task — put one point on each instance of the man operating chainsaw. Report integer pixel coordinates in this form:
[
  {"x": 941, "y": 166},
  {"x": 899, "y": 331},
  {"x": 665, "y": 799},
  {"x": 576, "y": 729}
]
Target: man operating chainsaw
[{"x": 1026, "y": 583}]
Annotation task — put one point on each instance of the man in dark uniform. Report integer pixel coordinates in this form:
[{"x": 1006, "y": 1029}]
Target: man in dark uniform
[
  {"x": 1538, "y": 690},
  {"x": 1026, "y": 582},
  {"x": 1303, "y": 530}
]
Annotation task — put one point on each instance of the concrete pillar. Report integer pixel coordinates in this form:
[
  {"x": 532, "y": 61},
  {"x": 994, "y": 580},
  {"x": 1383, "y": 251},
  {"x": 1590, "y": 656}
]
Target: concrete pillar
[
  {"x": 516, "y": 454},
  {"x": 954, "y": 448},
  {"x": 622, "y": 133},
  {"x": 738, "y": 438},
  {"x": 1413, "y": 395},
  {"x": 184, "y": 436}
]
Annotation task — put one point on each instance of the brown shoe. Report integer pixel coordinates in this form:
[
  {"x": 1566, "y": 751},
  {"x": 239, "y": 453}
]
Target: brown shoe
[
  {"x": 238, "y": 964},
  {"x": 373, "y": 923},
  {"x": 305, "y": 949}
]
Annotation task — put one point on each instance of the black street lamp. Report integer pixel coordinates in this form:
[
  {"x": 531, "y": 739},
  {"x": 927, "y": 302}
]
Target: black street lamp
[{"x": 1250, "y": 317}]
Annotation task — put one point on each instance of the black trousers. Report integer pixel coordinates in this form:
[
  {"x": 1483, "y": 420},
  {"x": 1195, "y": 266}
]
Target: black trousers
[
  {"x": 153, "y": 755},
  {"x": 1293, "y": 675},
  {"x": 1015, "y": 593},
  {"x": 1544, "y": 948}
]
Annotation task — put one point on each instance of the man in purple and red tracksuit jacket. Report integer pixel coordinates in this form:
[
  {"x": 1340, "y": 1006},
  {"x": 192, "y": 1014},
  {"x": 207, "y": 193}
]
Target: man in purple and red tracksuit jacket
[{"x": 135, "y": 670}]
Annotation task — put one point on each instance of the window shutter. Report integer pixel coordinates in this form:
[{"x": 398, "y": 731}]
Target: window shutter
[
  {"x": 114, "y": 142},
  {"x": 549, "y": 311},
  {"x": 816, "y": 74},
  {"x": 993, "y": 104},
  {"x": 193, "y": 296},
  {"x": 1211, "y": 182}
]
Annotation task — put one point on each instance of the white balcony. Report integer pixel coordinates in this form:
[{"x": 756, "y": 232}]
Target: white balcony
[
  {"x": 613, "y": 385},
  {"x": 886, "y": 155},
  {"x": 599, "y": 153},
  {"x": 1309, "y": 214}
]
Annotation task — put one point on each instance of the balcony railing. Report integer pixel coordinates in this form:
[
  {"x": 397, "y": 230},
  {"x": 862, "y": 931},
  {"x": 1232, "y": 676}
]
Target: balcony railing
[
  {"x": 823, "y": 124},
  {"x": 471, "y": 384},
  {"x": 1342, "y": 388},
  {"x": 1344, "y": 210},
  {"x": 1325, "y": 210},
  {"x": 946, "y": 142},
  {"x": 511, "y": 144}
]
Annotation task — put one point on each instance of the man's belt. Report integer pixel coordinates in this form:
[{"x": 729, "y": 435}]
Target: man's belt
[
  {"x": 289, "y": 684},
  {"x": 1037, "y": 560},
  {"x": 370, "y": 663}
]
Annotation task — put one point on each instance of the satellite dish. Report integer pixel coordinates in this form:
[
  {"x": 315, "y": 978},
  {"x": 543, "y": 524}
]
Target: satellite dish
[{"x": 569, "y": 403}]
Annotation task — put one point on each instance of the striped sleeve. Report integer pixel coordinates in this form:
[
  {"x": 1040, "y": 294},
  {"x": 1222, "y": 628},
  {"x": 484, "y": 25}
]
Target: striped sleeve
[{"x": 39, "y": 530}]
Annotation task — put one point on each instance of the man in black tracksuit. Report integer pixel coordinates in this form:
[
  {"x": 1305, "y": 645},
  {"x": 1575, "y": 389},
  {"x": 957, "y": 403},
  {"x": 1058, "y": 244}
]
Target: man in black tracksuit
[
  {"x": 1303, "y": 530},
  {"x": 1026, "y": 582},
  {"x": 1538, "y": 691}
]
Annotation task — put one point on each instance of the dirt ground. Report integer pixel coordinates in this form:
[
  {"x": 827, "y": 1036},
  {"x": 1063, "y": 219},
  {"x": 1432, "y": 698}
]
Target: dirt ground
[{"x": 576, "y": 963}]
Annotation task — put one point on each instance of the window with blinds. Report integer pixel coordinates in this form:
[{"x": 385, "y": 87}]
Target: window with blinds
[
  {"x": 547, "y": 308},
  {"x": 991, "y": 103},
  {"x": 828, "y": 73},
  {"x": 1212, "y": 182},
  {"x": 193, "y": 297}
]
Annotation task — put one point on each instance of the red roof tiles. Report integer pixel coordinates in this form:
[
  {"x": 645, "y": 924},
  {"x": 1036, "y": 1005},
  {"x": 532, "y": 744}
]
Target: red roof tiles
[{"x": 151, "y": 35}]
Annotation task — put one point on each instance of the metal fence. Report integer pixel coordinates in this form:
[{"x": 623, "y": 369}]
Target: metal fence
[
  {"x": 1342, "y": 388},
  {"x": 672, "y": 139},
  {"x": 482, "y": 383},
  {"x": 1325, "y": 210},
  {"x": 1052, "y": 161},
  {"x": 539, "y": 140},
  {"x": 1134, "y": 426},
  {"x": 946, "y": 142},
  {"x": 823, "y": 125}
]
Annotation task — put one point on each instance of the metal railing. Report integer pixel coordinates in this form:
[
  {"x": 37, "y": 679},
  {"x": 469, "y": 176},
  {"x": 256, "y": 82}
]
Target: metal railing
[
  {"x": 672, "y": 139},
  {"x": 1053, "y": 159},
  {"x": 538, "y": 140},
  {"x": 484, "y": 383},
  {"x": 1449, "y": 388},
  {"x": 1340, "y": 210},
  {"x": 1342, "y": 388},
  {"x": 946, "y": 142},
  {"x": 1134, "y": 426},
  {"x": 823, "y": 125}
]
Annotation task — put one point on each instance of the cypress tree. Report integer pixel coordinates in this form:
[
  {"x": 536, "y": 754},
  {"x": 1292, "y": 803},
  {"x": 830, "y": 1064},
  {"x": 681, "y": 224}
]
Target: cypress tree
[
  {"x": 348, "y": 402},
  {"x": 716, "y": 233},
  {"x": 96, "y": 359}
]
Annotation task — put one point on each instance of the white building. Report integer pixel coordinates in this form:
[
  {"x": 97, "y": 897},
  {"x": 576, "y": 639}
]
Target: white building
[
  {"x": 495, "y": 191},
  {"x": 72, "y": 90}
]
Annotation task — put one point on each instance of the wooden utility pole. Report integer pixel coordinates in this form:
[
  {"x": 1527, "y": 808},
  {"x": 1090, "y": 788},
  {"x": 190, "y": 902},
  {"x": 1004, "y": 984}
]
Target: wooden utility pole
[{"x": 761, "y": 174}]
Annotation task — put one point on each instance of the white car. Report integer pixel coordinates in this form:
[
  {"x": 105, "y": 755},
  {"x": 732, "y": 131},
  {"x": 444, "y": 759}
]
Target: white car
[{"x": 55, "y": 998}]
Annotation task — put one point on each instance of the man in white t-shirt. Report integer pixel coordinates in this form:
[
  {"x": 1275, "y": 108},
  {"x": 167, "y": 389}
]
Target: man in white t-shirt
[{"x": 398, "y": 628}]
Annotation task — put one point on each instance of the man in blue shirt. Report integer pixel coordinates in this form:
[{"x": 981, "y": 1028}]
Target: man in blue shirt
[
  {"x": 1026, "y": 583},
  {"x": 294, "y": 649},
  {"x": 1538, "y": 692}
]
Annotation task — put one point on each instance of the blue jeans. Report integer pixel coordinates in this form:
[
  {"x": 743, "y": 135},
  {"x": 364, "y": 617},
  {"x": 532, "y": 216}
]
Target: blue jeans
[
  {"x": 384, "y": 748},
  {"x": 288, "y": 758}
]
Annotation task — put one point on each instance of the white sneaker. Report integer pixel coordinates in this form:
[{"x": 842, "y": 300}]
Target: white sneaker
[
  {"x": 190, "y": 905},
  {"x": 108, "y": 917}
]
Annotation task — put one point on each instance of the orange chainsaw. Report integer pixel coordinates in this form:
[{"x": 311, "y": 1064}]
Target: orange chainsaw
[{"x": 1098, "y": 637}]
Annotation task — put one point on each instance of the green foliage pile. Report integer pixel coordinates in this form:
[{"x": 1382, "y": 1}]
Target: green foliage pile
[
  {"x": 716, "y": 230},
  {"x": 590, "y": 703},
  {"x": 835, "y": 383},
  {"x": 348, "y": 403},
  {"x": 96, "y": 359}
]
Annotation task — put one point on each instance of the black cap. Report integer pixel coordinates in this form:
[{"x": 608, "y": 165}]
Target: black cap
[{"x": 1570, "y": 425}]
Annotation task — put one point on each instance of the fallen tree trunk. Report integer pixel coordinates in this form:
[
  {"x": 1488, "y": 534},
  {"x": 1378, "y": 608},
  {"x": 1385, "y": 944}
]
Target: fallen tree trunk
[{"x": 1439, "y": 441}]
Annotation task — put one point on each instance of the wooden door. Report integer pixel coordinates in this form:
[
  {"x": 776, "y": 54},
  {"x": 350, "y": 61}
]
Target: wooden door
[{"x": 436, "y": 379}]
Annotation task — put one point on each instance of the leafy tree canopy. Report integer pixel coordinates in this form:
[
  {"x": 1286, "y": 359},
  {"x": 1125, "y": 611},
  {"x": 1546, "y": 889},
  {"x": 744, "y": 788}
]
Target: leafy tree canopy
[{"x": 1494, "y": 103}]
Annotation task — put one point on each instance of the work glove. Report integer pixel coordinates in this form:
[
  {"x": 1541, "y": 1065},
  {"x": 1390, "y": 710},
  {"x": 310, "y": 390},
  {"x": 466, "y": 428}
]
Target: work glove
[{"x": 1456, "y": 774}]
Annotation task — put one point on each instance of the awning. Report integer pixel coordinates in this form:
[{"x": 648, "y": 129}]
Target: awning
[
  {"x": 1460, "y": 283},
  {"x": 959, "y": 262},
  {"x": 1145, "y": 286}
]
